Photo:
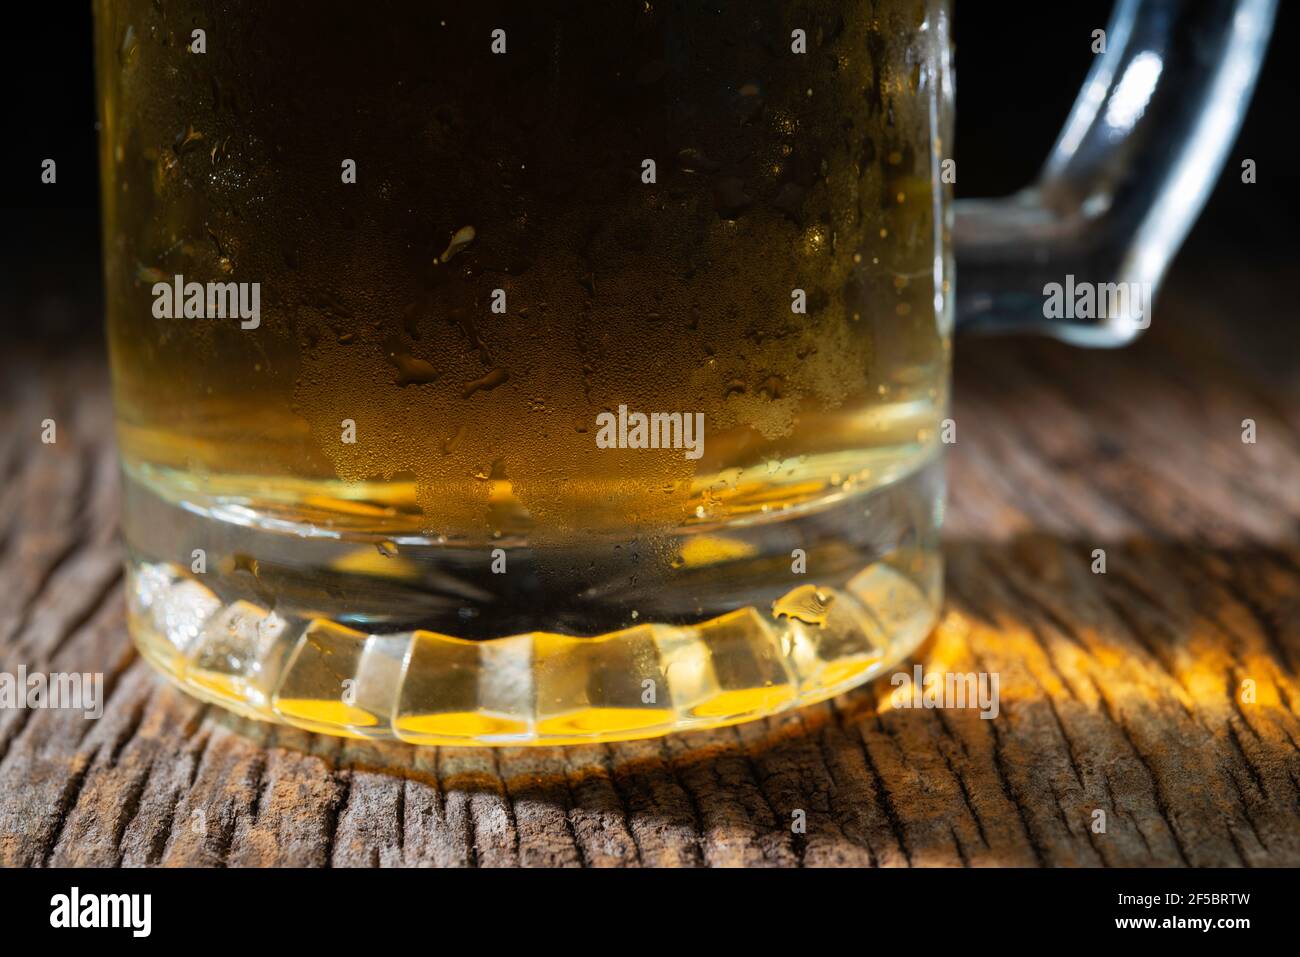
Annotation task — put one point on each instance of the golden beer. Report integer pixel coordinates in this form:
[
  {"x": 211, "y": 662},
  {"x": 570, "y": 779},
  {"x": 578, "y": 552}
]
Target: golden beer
[{"x": 526, "y": 373}]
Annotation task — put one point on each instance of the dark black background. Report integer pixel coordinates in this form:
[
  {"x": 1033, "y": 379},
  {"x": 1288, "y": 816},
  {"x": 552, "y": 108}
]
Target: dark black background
[{"x": 1019, "y": 64}]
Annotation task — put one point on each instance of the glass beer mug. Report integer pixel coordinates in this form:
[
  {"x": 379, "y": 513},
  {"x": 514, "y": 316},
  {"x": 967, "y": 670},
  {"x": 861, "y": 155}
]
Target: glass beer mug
[{"x": 567, "y": 372}]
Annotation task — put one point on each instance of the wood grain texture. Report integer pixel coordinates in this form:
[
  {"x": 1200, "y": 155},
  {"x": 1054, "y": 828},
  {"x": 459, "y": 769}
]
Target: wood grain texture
[{"x": 1119, "y": 691}]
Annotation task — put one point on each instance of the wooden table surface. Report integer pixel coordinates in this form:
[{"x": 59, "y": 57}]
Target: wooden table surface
[{"x": 1120, "y": 692}]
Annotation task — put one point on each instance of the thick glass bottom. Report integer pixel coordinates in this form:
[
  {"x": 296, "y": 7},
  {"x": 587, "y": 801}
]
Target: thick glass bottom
[{"x": 409, "y": 644}]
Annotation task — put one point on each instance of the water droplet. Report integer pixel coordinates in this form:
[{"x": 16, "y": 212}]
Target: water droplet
[
  {"x": 186, "y": 139},
  {"x": 486, "y": 383},
  {"x": 459, "y": 240},
  {"x": 412, "y": 371},
  {"x": 387, "y": 549},
  {"x": 772, "y": 387},
  {"x": 218, "y": 152},
  {"x": 453, "y": 443},
  {"x": 150, "y": 274},
  {"x": 807, "y": 603},
  {"x": 126, "y": 51}
]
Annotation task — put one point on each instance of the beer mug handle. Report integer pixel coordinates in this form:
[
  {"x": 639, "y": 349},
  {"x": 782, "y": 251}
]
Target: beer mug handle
[{"x": 1131, "y": 170}]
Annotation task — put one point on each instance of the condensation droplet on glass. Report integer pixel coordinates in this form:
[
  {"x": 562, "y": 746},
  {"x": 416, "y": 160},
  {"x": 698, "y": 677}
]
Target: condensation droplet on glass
[
  {"x": 126, "y": 51},
  {"x": 459, "y": 240},
  {"x": 807, "y": 603}
]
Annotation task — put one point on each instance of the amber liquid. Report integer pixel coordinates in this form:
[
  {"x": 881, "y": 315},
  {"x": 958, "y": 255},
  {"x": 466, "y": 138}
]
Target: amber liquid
[{"x": 617, "y": 205}]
